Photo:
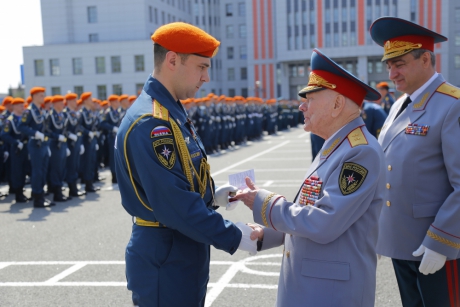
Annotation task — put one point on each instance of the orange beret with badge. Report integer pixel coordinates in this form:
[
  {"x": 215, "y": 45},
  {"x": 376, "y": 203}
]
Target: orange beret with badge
[
  {"x": 7, "y": 100},
  {"x": 17, "y": 100},
  {"x": 185, "y": 38},
  {"x": 36, "y": 90}
]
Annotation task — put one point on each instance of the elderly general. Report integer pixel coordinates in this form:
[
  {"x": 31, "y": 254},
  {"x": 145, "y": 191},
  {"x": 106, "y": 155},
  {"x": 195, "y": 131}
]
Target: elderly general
[{"x": 330, "y": 230}]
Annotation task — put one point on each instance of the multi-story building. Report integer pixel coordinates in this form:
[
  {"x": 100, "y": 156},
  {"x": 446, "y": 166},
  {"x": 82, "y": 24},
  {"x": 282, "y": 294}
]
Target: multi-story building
[{"x": 104, "y": 46}]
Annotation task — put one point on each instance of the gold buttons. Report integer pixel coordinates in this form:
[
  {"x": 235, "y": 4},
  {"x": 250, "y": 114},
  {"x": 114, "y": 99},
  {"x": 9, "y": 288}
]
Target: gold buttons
[
  {"x": 389, "y": 167},
  {"x": 288, "y": 254},
  {"x": 388, "y": 186},
  {"x": 388, "y": 203}
]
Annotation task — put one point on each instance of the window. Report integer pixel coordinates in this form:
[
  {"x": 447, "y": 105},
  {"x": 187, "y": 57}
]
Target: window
[
  {"x": 229, "y": 9},
  {"x": 457, "y": 14},
  {"x": 370, "y": 67},
  {"x": 139, "y": 63},
  {"x": 457, "y": 61},
  {"x": 77, "y": 66},
  {"x": 117, "y": 89},
  {"x": 352, "y": 38},
  {"x": 301, "y": 71},
  {"x": 229, "y": 53},
  {"x": 56, "y": 90},
  {"x": 242, "y": 31},
  {"x": 344, "y": 39},
  {"x": 102, "y": 92},
  {"x": 78, "y": 90},
  {"x": 244, "y": 73},
  {"x": 92, "y": 14},
  {"x": 231, "y": 74},
  {"x": 150, "y": 13},
  {"x": 349, "y": 67},
  {"x": 328, "y": 40},
  {"x": 243, "y": 52},
  {"x": 39, "y": 66},
  {"x": 378, "y": 66},
  {"x": 231, "y": 92},
  {"x": 139, "y": 88},
  {"x": 292, "y": 70},
  {"x": 241, "y": 9},
  {"x": 155, "y": 15},
  {"x": 100, "y": 65},
  {"x": 230, "y": 31},
  {"x": 93, "y": 38},
  {"x": 116, "y": 64},
  {"x": 55, "y": 70},
  {"x": 244, "y": 92},
  {"x": 457, "y": 39}
]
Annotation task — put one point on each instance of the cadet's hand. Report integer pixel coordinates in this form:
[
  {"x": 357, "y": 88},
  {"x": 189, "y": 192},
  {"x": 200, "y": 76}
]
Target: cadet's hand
[
  {"x": 91, "y": 134},
  {"x": 49, "y": 152},
  {"x": 6, "y": 154},
  {"x": 73, "y": 137},
  {"x": 431, "y": 261},
  {"x": 82, "y": 149},
  {"x": 257, "y": 231},
  {"x": 97, "y": 147},
  {"x": 20, "y": 145},
  {"x": 39, "y": 136},
  {"x": 247, "y": 244},
  {"x": 222, "y": 196},
  {"x": 67, "y": 152},
  {"x": 115, "y": 129},
  {"x": 62, "y": 138},
  {"x": 247, "y": 196}
]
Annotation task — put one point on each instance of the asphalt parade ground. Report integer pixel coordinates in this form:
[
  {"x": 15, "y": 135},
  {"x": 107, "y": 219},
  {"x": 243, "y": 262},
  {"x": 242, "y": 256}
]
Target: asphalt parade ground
[{"x": 73, "y": 254}]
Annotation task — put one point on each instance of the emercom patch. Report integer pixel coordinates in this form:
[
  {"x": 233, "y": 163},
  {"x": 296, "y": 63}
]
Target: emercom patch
[
  {"x": 165, "y": 151},
  {"x": 351, "y": 177}
]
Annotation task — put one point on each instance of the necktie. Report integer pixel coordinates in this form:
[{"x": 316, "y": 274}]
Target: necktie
[{"x": 404, "y": 106}]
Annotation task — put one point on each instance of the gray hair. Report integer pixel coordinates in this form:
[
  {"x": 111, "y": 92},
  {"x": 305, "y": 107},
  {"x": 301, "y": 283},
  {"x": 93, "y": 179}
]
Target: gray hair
[{"x": 417, "y": 53}]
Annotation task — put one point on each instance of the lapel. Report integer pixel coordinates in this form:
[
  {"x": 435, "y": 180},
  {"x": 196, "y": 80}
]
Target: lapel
[{"x": 413, "y": 112}]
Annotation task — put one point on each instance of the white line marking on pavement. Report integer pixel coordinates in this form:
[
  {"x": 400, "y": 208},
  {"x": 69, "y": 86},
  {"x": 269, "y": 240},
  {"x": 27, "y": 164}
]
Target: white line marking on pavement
[
  {"x": 65, "y": 284},
  {"x": 61, "y": 262},
  {"x": 247, "y": 261},
  {"x": 65, "y": 273},
  {"x": 268, "y": 183},
  {"x": 256, "y": 286},
  {"x": 222, "y": 283},
  {"x": 249, "y": 159},
  {"x": 4, "y": 265},
  {"x": 303, "y": 135}
]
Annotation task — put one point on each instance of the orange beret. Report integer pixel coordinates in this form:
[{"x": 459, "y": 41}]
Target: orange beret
[
  {"x": 182, "y": 37},
  {"x": 97, "y": 101},
  {"x": 29, "y": 99},
  {"x": 221, "y": 97},
  {"x": 104, "y": 103},
  {"x": 383, "y": 84},
  {"x": 47, "y": 99},
  {"x": 132, "y": 98},
  {"x": 17, "y": 100},
  {"x": 57, "y": 98},
  {"x": 113, "y": 98},
  {"x": 79, "y": 102},
  {"x": 70, "y": 96},
  {"x": 37, "y": 89},
  {"x": 2, "y": 108},
  {"x": 85, "y": 95},
  {"x": 123, "y": 97},
  {"x": 7, "y": 100}
]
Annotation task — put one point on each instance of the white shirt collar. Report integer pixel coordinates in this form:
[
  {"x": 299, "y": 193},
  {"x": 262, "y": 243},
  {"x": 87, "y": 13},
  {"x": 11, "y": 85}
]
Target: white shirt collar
[{"x": 415, "y": 94}]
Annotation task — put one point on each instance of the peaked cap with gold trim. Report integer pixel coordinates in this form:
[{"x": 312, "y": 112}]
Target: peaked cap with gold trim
[
  {"x": 182, "y": 37},
  {"x": 326, "y": 74},
  {"x": 399, "y": 36}
]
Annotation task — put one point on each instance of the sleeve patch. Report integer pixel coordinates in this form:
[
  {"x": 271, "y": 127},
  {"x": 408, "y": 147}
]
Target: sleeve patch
[
  {"x": 165, "y": 151},
  {"x": 160, "y": 131},
  {"x": 351, "y": 177}
]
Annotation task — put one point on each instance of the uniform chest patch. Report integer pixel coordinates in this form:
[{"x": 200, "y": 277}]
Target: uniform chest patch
[
  {"x": 311, "y": 189},
  {"x": 160, "y": 131},
  {"x": 416, "y": 129},
  {"x": 351, "y": 177},
  {"x": 165, "y": 151},
  {"x": 7, "y": 127}
]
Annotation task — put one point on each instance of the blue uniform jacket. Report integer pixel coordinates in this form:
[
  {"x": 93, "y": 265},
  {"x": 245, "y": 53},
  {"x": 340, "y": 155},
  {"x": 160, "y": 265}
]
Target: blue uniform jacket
[
  {"x": 33, "y": 120},
  {"x": 374, "y": 117},
  {"x": 73, "y": 121},
  {"x": 56, "y": 124},
  {"x": 10, "y": 132},
  {"x": 151, "y": 176},
  {"x": 110, "y": 119}
]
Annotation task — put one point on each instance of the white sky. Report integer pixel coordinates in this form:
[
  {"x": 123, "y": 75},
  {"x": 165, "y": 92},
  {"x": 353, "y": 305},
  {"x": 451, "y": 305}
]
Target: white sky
[{"x": 20, "y": 25}]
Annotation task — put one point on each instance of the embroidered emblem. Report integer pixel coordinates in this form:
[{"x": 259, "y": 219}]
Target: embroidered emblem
[
  {"x": 327, "y": 151},
  {"x": 356, "y": 138},
  {"x": 396, "y": 48},
  {"x": 311, "y": 189},
  {"x": 351, "y": 177},
  {"x": 166, "y": 154},
  {"x": 415, "y": 129},
  {"x": 7, "y": 127},
  {"x": 24, "y": 118},
  {"x": 422, "y": 101},
  {"x": 195, "y": 155},
  {"x": 160, "y": 131}
]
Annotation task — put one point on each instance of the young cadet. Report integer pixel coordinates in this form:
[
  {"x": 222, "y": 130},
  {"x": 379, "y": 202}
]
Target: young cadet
[
  {"x": 165, "y": 180},
  {"x": 110, "y": 122},
  {"x": 419, "y": 224},
  {"x": 387, "y": 100},
  {"x": 330, "y": 230}
]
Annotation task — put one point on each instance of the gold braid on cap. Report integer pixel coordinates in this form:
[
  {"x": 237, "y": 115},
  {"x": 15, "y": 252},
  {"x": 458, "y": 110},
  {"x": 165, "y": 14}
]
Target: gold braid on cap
[
  {"x": 397, "y": 48},
  {"x": 316, "y": 82}
]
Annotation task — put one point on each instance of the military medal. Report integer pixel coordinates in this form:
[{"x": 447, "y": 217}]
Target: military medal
[
  {"x": 415, "y": 129},
  {"x": 310, "y": 191}
]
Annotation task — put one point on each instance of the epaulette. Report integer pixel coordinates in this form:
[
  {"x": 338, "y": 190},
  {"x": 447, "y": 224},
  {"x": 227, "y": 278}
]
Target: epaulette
[
  {"x": 356, "y": 138},
  {"x": 10, "y": 118},
  {"x": 450, "y": 90},
  {"x": 159, "y": 111}
]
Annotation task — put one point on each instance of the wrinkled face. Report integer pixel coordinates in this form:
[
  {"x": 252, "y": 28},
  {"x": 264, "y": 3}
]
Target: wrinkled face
[
  {"x": 316, "y": 109},
  {"x": 190, "y": 76},
  {"x": 406, "y": 72}
]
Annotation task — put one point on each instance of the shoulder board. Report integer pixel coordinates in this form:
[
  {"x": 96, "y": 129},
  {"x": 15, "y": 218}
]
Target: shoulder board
[
  {"x": 449, "y": 89},
  {"x": 10, "y": 118},
  {"x": 159, "y": 111},
  {"x": 356, "y": 137}
]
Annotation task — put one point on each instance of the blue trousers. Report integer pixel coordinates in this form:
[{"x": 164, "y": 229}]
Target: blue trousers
[
  {"x": 57, "y": 167},
  {"x": 111, "y": 143},
  {"x": 18, "y": 158},
  {"x": 39, "y": 160},
  {"x": 73, "y": 161},
  {"x": 88, "y": 159},
  {"x": 165, "y": 268}
]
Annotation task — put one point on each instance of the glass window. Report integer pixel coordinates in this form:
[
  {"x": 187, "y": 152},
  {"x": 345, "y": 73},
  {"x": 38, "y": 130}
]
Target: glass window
[
  {"x": 457, "y": 39},
  {"x": 155, "y": 14},
  {"x": 244, "y": 92},
  {"x": 370, "y": 67},
  {"x": 243, "y": 52},
  {"x": 39, "y": 66},
  {"x": 93, "y": 38},
  {"x": 353, "y": 38},
  {"x": 352, "y": 13},
  {"x": 229, "y": 53},
  {"x": 55, "y": 70},
  {"x": 231, "y": 74},
  {"x": 92, "y": 14},
  {"x": 100, "y": 65},
  {"x": 241, "y": 9},
  {"x": 230, "y": 31},
  {"x": 312, "y": 41},
  {"x": 139, "y": 63},
  {"x": 457, "y": 14},
  {"x": 102, "y": 92},
  {"x": 78, "y": 89},
  {"x": 150, "y": 13},
  {"x": 344, "y": 39},
  {"x": 328, "y": 40},
  {"x": 457, "y": 61},
  {"x": 229, "y": 9},
  {"x": 139, "y": 88},
  {"x": 292, "y": 70},
  {"x": 327, "y": 14},
  {"x": 242, "y": 30},
  {"x": 301, "y": 71},
  {"x": 378, "y": 66},
  {"x": 116, "y": 64},
  {"x": 231, "y": 92},
  {"x": 244, "y": 73},
  {"x": 336, "y": 39},
  {"x": 349, "y": 67},
  {"x": 56, "y": 90},
  {"x": 77, "y": 66},
  {"x": 117, "y": 89}
]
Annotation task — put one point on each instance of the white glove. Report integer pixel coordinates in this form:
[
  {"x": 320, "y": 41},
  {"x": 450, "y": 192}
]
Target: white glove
[
  {"x": 67, "y": 152},
  {"x": 97, "y": 147},
  {"x": 82, "y": 149},
  {"x": 246, "y": 243},
  {"x": 98, "y": 133},
  {"x": 431, "y": 261},
  {"x": 62, "y": 138},
  {"x": 20, "y": 145},
  {"x": 115, "y": 129},
  {"x": 91, "y": 134},
  {"x": 222, "y": 196},
  {"x": 73, "y": 137},
  {"x": 39, "y": 136},
  {"x": 49, "y": 152},
  {"x": 6, "y": 154}
]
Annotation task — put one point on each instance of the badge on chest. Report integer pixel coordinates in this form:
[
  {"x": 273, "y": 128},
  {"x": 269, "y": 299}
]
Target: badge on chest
[
  {"x": 311, "y": 189},
  {"x": 416, "y": 129}
]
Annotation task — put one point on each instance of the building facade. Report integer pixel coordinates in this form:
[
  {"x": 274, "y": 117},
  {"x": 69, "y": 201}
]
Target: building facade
[{"x": 104, "y": 46}]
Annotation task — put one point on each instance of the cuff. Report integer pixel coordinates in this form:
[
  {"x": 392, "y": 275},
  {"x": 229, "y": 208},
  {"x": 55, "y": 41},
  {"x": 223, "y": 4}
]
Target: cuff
[
  {"x": 442, "y": 242},
  {"x": 262, "y": 204}
]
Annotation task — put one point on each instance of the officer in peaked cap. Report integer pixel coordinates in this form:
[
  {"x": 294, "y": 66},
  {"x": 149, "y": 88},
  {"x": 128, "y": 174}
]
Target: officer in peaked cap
[
  {"x": 165, "y": 181},
  {"x": 330, "y": 230},
  {"x": 419, "y": 223}
]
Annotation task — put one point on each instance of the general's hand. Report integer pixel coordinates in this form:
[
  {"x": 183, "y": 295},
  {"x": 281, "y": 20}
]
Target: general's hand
[
  {"x": 257, "y": 231},
  {"x": 431, "y": 261},
  {"x": 247, "y": 196}
]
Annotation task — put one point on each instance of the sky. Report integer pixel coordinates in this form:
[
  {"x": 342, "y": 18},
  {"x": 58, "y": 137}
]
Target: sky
[{"x": 20, "y": 25}]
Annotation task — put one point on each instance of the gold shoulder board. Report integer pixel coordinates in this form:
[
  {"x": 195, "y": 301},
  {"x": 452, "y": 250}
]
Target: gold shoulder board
[
  {"x": 159, "y": 111},
  {"x": 449, "y": 90},
  {"x": 356, "y": 137}
]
